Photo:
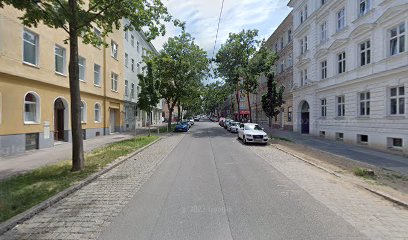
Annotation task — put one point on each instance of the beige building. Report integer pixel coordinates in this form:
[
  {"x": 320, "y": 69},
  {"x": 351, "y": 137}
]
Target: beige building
[
  {"x": 34, "y": 86},
  {"x": 281, "y": 42}
]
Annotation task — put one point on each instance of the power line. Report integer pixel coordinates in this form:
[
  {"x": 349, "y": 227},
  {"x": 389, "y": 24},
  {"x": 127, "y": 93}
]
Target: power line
[{"x": 216, "y": 36}]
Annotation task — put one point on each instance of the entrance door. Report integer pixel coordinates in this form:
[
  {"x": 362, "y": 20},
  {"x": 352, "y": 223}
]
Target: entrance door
[
  {"x": 112, "y": 121},
  {"x": 59, "y": 109},
  {"x": 305, "y": 116}
]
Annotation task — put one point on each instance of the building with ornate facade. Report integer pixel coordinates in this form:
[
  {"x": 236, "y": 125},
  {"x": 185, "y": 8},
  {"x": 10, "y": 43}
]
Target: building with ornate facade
[{"x": 351, "y": 71}]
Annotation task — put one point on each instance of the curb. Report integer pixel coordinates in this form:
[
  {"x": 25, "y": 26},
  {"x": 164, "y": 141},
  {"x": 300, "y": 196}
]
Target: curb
[
  {"x": 26, "y": 215},
  {"x": 376, "y": 192},
  {"x": 307, "y": 161}
]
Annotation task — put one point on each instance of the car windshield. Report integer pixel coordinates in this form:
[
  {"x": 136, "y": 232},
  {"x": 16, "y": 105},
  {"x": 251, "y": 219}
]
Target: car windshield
[{"x": 252, "y": 127}]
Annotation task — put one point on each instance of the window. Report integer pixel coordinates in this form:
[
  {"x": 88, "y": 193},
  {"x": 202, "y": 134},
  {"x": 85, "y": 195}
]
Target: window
[
  {"x": 364, "y": 105},
  {"x": 323, "y": 107},
  {"x": 301, "y": 17},
  {"x": 31, "y": 108},
  {"x": 82, "y": 67},
  {"x": 133, "y": 65},
  {"x": 132, "y": 91},
  {"x": 303, "y": 77},
  {"x": 290, "y": 62},
  {"x": 126, "y": 87},
  {"x": 114, "y": 49},
  {"x": 395, "y": 143},
  {"x": 365, "y": 53},
  {"x": 303, "y": 45},
  {"x": 397, "y": 39},
  {"x": 126, "y": 60},
  {"x": 281, "y": 43},
  {"x": 30, "y": 48},
  {"x": 289, "y": 35},
  {"x": 276, "y": 47},
  {"x": 83, "y": 112},
  {"x": 59, "y": 59},
  {"x": 138, "y": 46},
  {"x": 138, "y": 68},
  {"x": 323, "y": 32},
  {"x": 289, "y": 114},
  {"x": 114, "y": 82},
  {"x": 362, "y": 139},
  {"x": 98, "y": 34},
  {"x": 341, "y": 107},
  {"x": 306, "y": 12},
  {"x": 322, "y": 2},
  {"x": 97, "y": 113},
  {"x": 397, "y": 100},
  {"x": 323, "y": 69},
  {"x": 341, "y": 20},
  {"x": 126, "y": 35},
  {"x": 282, "y": 65},
  {"x": 339, "y": 136},
  {"x": 322, "y": 133},
  {"x": 132, "y": 40},
  {"x": 364, "y": 7},
  {"x": 97, "y": 75},
  {"x": 341, "y": 59}
]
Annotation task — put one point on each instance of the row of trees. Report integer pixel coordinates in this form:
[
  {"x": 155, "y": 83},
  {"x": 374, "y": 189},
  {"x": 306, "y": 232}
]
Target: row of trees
[
  {"x": 78, "y": 19},
  {"x": 241, "y": 61}
]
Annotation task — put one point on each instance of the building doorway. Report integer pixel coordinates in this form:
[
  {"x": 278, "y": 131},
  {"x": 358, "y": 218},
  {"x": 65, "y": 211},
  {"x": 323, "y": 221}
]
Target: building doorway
[
  {"x": 59, "y": 120},
  {"x": 112, "y": 121},
  {"x": 305, "y": 118}
]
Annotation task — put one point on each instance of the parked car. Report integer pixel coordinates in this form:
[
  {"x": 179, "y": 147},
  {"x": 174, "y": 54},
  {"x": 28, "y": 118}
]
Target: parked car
[
  {"x": 252, "y": 133},
  {"x": 221, "y": 122},
  {"x": 227, "y": 123},
  {"x": 196, "y": 119},
  {"x": 233, "y": 127},
  {"x": 191, "y": 121},
  {"x": 181, "y": 127}
]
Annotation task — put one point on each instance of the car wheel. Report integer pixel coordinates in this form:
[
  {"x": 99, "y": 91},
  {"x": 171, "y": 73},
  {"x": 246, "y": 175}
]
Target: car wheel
[{"x": 245, "y": 141}]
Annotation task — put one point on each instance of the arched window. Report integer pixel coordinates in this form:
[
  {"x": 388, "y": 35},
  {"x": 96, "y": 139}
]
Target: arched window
[
  {"x": 83, "y": 112},
  {"x": 31, "y": 108},
  {"x": 97, "y": 112}
]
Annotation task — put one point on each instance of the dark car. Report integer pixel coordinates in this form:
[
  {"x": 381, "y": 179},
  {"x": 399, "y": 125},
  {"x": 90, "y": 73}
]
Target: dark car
[{"x": 181, "y": 127}]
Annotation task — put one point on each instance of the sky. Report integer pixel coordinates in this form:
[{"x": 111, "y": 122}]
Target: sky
[{"x": 201, "y": 17}]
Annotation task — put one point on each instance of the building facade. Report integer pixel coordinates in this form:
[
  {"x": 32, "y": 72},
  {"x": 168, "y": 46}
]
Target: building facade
[
  {"x": 136, "y": 47},
  {"x": 34, "y": 86},
  {"x": 351, "y": 71},
  {"x": 281, "y": 42}
]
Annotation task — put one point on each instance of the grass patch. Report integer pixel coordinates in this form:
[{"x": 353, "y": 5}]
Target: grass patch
[
  {"x": 280, "y": 138},
  {"x": 365, "y": 173},
  {"x": 22, "y": 192}
]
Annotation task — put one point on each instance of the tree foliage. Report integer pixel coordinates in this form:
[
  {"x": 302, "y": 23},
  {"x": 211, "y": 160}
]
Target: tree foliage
[
  {"x": 78, "y": 18},
  {"x": 240, "y": 63},
  {"x": 273, "y": 99},
  {"x": 180, "y": 67},
  {"x": 215, "y": 95},
  {"x": 149, "y": 95}
]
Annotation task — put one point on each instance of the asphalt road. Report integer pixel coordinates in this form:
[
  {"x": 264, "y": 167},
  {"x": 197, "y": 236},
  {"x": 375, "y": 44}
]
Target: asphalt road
[{"x": 213, "y": 187}]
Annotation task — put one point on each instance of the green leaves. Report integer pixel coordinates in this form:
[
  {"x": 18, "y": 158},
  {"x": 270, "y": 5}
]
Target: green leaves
[{"x": 273, "y": 99}]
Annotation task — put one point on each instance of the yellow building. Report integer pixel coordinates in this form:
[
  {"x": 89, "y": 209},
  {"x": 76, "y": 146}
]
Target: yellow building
[{"x": 34, "y": 86}]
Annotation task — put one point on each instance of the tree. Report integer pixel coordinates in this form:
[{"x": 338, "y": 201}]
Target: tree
[
  {"x": 77, "y": 18},
  {"x": 233, "y": 60},
  {"x": 273, "y": 99},
  {"x": 149, "y": 95},
  {"x": 180, "y": 67},
  {"x": 215, "y": 95}
]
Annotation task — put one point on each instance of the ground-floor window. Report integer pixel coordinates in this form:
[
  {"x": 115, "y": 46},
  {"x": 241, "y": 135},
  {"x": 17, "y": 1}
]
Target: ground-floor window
[
  {"x": 363, "y": 139},
  {"x": 396, "y": 143},
  {"x": 289, "y": 114},
  {"x": 339, "y": 136}
]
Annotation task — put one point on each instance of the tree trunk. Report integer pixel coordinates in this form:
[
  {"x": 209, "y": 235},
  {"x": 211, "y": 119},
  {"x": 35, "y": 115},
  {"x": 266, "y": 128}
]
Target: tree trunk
[
  {"x": 77, "y": 143},
  {"x": 150, "y": 120},
  {"x": 171, "y": 109},
  {"x": 238, "y": 97},
  {"x": 179, "y": 112},
  {"x": 249, "y": 108}
]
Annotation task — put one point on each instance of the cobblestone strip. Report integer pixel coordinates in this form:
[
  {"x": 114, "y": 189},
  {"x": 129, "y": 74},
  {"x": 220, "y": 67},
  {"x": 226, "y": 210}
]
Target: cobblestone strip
[
  {"x": 371, "y": 215},
  {"x": 84, "y": 214}
]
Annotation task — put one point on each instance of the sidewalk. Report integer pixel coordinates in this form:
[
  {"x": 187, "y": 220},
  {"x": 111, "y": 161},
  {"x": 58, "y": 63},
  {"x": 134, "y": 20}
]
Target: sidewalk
[
  {"x": 16, "y": 164},
  {"x": 354, "y": 152}
]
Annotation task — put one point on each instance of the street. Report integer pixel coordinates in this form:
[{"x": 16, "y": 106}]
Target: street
[
  {"x": 205, "y": 184},
  {"x": 213, "y": 187}
]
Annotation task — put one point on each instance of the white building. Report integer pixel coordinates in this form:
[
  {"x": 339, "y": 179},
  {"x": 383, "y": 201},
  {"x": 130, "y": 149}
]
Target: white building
[
  {"x": 351, "y": 71},
  {"x": 136, "y": 46}
]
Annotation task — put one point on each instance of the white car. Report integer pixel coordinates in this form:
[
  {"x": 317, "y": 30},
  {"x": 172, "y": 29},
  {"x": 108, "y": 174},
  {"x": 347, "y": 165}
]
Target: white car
[
  {"x": 252, "y": 133},
  {"x": 233, "y": 127}
]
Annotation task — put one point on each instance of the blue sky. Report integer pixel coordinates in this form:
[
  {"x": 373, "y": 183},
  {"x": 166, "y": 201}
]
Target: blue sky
[{"x": 201, "y": 17}]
